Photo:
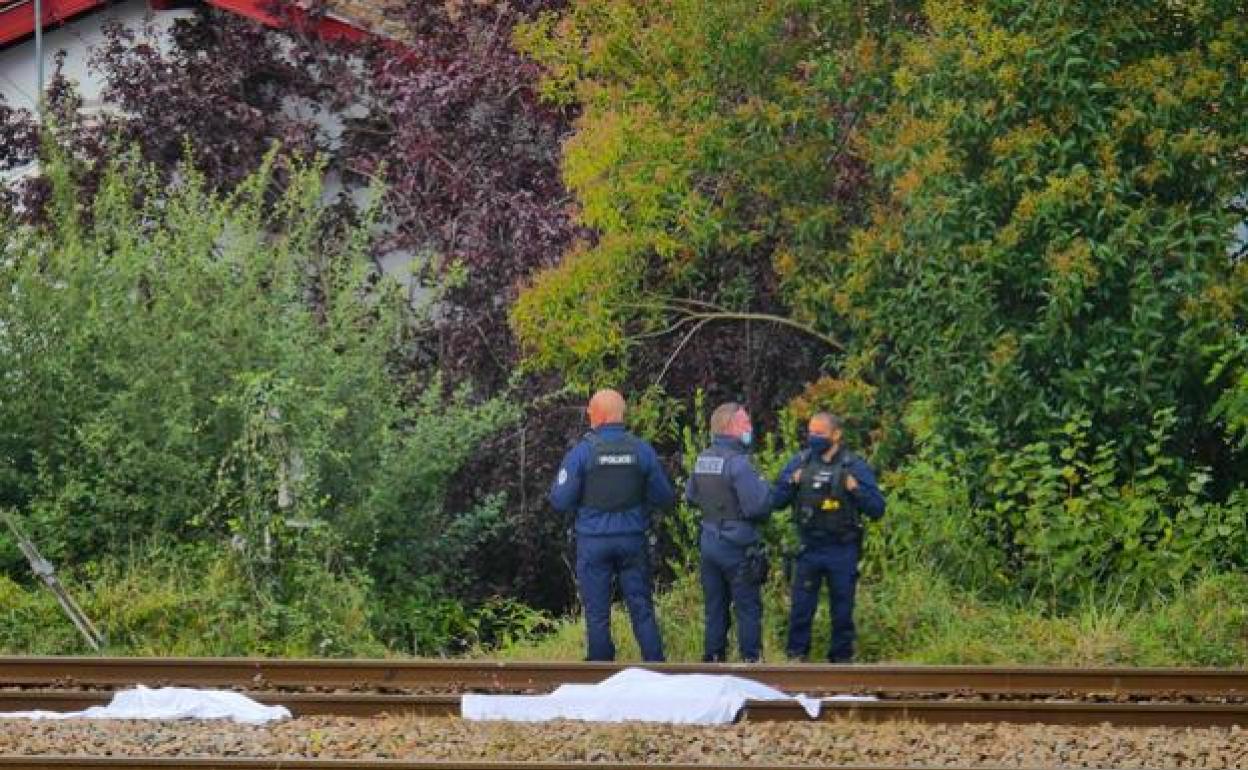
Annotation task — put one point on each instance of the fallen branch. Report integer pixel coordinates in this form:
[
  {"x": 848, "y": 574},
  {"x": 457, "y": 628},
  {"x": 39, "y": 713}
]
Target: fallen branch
[
  {"x": 698, "y": 310},
  {"x": 699, "y": 313}
]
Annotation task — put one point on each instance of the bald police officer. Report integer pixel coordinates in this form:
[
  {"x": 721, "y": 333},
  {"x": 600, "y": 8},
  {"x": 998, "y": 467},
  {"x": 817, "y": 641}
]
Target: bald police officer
[
  {"x": 733, "y": 500},
  {"x": 612, "y": 480},
  {"x": 831, "y": 490}
]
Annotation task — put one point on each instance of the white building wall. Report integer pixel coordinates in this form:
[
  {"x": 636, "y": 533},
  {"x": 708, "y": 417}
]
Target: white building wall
[{"x": 17, "y": 60}]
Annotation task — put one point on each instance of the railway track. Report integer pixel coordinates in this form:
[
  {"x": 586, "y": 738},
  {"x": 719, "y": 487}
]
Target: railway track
[
  {"x": 951, "y": 695},
  {"x": 476, "y": 676}
]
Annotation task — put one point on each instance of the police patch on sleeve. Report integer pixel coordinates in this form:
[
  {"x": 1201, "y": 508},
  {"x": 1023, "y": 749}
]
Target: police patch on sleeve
[
  {"x": 563, "y": 476},
  {"x": 709, "y": 466}
]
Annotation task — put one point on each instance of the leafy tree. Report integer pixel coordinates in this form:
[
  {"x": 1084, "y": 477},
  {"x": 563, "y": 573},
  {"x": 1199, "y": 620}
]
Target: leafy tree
[
  {"x": 1048, "y": 269},
  {"x": 444, "y": 117},
  {"x": 1052, "y": 240},
  {"x": 228, "y": 86},
  {"x": 714, "y": 157},
  {"x": 17, "y": 127},
  {"x": 1007, "y": 222}
]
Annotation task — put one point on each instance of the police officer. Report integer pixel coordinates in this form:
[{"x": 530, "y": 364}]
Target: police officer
[
  {"x": 733, "y": 500},
  {"x": 612, "y": 479},
  {"x": 831, "y": 489}
]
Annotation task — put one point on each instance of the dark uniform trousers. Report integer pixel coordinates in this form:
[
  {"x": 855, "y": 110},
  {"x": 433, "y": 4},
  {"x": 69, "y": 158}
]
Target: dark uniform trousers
[
  {"x": 725, "y": 580},
  {"x": 597, "y": 558},
  {"x": 837, "y": 565}
]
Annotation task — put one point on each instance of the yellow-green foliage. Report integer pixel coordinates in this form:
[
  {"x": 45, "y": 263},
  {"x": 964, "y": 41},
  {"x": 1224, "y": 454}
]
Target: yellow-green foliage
[
  {"x": 1036, "y": 157},
  {"x": 571, "y": 317},
  {"x": 1016, "y": 216},
  {"x": 701, "y": 145},
  {"x": 1046, "y": 267}
]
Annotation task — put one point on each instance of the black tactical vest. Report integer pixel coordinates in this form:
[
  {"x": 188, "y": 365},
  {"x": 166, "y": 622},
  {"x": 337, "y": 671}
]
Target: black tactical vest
[
  {"x": 613, "y": 480},
  {"x": 712, "y": 489},
  {"x": 823, "y": 503}
]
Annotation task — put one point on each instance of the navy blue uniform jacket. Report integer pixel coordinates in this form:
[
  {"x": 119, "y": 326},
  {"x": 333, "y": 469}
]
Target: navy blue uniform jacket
[
  {"x": 565, "y": 493},
  {"x": 868, "y": 496},
  {"x": 753, "y": 495}
]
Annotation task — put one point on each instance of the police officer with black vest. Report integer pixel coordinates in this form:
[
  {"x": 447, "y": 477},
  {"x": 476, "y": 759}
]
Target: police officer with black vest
[
  {"x": 831, "y": 490},
  {"x": 612, "y": 480},
  {"x": 733, "y": 500}
]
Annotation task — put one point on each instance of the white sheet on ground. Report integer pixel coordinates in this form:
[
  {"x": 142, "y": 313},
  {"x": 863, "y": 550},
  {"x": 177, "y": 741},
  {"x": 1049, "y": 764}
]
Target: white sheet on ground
[
  {"x": 636, "y": 694},
  {"x": 169, "y": 703}
]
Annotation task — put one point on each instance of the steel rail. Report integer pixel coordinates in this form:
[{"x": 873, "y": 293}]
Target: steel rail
[
  {"x": 295, "y": 763},
  {"x": 300, "y": 704},
  {"x": 1058, "y": 712},
  {"x": 1014, "y": 712},
  {"x": 483, "y": 675}
]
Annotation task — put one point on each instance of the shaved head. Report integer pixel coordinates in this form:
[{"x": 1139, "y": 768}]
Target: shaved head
[{"x": 606, "y": 406}]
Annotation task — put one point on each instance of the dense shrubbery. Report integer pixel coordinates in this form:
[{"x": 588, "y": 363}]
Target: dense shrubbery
[
  {"x": 1008, "y": 226},
  {"x": 223, "y": 368},
  {"x": 1051, "y": 236},
  {"x": 467, "y": 158},
  {"x": 1048, "y": 264},
  {"x": 996, "y": 236}
]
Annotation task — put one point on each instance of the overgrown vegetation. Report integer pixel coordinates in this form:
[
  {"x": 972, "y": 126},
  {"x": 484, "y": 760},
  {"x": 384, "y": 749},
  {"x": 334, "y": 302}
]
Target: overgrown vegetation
[
  {"x": 1006, "y": 226},
  {"x": 917, "y": 615},
  {"x": 195, "y": 600},
  {"x": 227, "y": 369},
  {"x": 998, "y": 237}
]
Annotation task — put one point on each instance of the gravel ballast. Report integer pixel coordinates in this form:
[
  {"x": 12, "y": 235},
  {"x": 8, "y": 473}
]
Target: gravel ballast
[{"x": 795, "y": 743}]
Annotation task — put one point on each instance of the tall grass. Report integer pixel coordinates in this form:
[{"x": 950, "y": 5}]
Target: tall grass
[
  {"x": 196, "y": 601},
  {"x": 916, "y": 616},
  {"x": 192, "y": 601}
]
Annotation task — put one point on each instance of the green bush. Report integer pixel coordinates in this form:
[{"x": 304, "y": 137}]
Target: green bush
[
  {"x": 1050, "y": 243},
  {"x": 203, "y": 368},
  {"x": 1011, "y": 223},
  {"x": 1060, "y": 525}
]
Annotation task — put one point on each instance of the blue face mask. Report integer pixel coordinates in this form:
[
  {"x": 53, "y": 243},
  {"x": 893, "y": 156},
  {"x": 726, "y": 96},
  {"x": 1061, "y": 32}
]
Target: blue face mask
[
  {"x": 747, "y": 438},
  {"x": 819, "y": 444}
]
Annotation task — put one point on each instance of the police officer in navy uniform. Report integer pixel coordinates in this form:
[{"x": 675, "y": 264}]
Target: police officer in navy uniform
[
  {"x": 733, "y": 500},
  {"x": 612, "y": 480},
  {"x": 831, "y": 490}
]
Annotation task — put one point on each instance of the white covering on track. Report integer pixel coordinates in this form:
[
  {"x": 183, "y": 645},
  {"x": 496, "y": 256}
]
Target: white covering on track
[
  {"x": 169, "y": 703},
  {"x": 636, "y": 694}
]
